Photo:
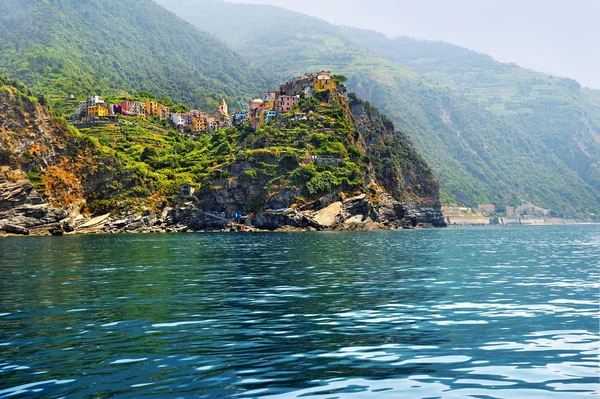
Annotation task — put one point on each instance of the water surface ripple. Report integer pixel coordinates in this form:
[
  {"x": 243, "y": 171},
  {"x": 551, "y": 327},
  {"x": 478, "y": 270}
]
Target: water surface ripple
[{"x": 452, "y": 313}]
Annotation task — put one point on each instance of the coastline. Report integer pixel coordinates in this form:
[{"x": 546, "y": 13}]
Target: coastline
[
  {"x": 351, "y": 214},
  {"x": 109, "y": 229}
]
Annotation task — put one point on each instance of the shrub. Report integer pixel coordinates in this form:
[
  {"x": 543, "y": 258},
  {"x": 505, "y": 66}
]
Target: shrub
[{"x": 321, "y": 183}]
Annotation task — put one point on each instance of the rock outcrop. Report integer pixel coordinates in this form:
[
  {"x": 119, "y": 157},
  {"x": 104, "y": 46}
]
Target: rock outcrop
[{"x": 22, "y": 210}]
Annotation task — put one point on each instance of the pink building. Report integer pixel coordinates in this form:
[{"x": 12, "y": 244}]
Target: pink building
[
  {"x": 131, "y": 108},
  {"x": 286, "y": 103}
]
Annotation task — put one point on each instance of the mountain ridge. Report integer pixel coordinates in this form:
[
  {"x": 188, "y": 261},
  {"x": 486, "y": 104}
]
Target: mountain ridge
[{"x": 64, "y": 46}]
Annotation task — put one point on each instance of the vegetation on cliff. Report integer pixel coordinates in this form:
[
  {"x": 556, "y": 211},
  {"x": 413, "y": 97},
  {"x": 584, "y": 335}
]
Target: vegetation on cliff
[{"x": 337, "y": 147}]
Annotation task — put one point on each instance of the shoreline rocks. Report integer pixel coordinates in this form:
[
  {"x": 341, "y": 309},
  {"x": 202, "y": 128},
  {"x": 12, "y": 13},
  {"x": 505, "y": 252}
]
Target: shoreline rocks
[{"x": 332, "y": 212}]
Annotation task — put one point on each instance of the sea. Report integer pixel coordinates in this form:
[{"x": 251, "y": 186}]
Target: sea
[{"x": 471, "y": 312}]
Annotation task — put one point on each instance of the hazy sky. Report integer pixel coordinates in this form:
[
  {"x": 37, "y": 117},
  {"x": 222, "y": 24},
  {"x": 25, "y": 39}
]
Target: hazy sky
[{"x": 561, "y": 37}]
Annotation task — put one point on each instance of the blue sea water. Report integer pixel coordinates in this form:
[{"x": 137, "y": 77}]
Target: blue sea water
[{"x": 508, "y": 312}]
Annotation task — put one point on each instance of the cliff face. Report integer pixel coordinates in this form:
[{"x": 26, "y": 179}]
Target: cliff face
[
  {"x": 30, "y": 142},
  {"x": 49, "y": 172}
]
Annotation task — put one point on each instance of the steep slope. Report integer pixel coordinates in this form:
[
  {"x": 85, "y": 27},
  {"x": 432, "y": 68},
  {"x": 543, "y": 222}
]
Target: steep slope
[
  {"x": 341, "y": 167},
  {"x": 555, "y": 110},
  {"x": 87, "y": 47},
  {"x": 49, "y": 171},
  {"x": 478, "y": 156}
]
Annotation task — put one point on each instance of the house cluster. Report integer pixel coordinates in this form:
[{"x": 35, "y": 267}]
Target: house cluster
[
  {"x": 260, "y": 111},
  {"x": 263, "y": 110},
  {"x": 198, "y": 121},
  {"x": 95, "y": 107}
]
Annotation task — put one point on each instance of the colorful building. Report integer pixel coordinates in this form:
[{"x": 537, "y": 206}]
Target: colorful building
[
  {"x": 131, "y": 108},
  {"x": 197, "y": 124},
  {"x": 94, "y": 100},
  {"x": 324, "y": 82},
  {"x": 163, "y": 112},
  {"x": 239, "y": 117},
  {"x": 151, "y": 108},
  {"x": 286, "y": 103},
  {"x": 270, "y": 115},
  {"x": 308, "y": 83},
  {"x": 178, "y": 120},
  {"x": 253, "y": 108},
  {"x": 97, "y": 111}
]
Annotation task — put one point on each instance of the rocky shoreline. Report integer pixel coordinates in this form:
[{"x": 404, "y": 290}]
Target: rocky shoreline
[{"x": 24, "y": 212}]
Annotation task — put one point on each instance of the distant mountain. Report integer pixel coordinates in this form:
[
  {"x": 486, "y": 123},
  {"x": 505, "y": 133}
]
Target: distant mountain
[
  {"x": 565, "y": 117},
  {"x": 480, "y": 155},
  {"x": 108, "y": 46}
]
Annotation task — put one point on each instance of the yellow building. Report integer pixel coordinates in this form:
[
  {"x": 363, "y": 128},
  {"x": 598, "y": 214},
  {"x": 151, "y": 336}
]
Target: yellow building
[
  {"x": 97, "y": 111},
  {"x": 151, "y": 108},
  {"x": 324, "y": 82},
  {"x": 198, "y": 124},
  {"x": 163, "y": 112},
  {"x": 260, "y": 117},
  {"x": 269, "y": 104}
]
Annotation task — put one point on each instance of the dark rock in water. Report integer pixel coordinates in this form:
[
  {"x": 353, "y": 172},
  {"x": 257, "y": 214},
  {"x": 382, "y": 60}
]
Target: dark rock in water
[
  {"x": 57, "y": 231},
  {"x": 10, "y": 228},
  {"x": 68, "y": 227}
]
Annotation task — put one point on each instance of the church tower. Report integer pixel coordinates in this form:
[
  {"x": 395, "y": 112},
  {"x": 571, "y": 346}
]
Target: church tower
[{"x": 223, "y": 109}]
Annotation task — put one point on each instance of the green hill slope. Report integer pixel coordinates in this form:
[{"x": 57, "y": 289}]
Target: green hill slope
[
  {"x": 82, "y": 47},
  {"x": 478, "y": 155},
  {"x": 564, "y": 116}
]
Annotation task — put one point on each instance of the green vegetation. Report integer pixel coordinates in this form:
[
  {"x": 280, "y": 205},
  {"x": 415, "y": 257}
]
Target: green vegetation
[
  {"x": 556, "y": 111},
  {"x": 110, "y": 46},
  {"x": 480, "y": 155},
  {"x": 491, "y": 132},
  {"x": 140, "y": 162}
]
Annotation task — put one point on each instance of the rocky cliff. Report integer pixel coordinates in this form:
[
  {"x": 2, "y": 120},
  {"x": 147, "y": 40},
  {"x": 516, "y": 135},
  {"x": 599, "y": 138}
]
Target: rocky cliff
[
  {"x": 342, "y": 167},
  {"x": 49, "y": 172}
]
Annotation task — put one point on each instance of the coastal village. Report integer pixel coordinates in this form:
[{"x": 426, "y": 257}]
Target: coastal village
[
  {"x": 262, "y": 111},
  {"x": 259, "y": 112}
]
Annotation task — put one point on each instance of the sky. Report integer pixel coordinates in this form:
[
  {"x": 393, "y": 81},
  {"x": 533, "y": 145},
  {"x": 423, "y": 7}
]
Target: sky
[{"x": 560, "y": 37}]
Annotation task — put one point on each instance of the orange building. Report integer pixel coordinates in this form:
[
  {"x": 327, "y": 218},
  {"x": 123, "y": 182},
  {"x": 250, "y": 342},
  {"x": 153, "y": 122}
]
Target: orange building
[
  {"x": 324, "y": 82},
  {"x": 151, "y": 108}
]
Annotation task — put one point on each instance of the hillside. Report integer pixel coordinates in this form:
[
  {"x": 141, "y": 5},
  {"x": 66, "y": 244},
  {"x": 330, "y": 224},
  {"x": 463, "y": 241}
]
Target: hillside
[
  {"x": 564, "y": 116},
  {"x": 67, "y": 46},
  {"x": 340, "y": 166},
  {"x": 479, "y": 156}
]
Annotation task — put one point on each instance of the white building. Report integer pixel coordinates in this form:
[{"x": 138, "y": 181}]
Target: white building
[
  {"x": 94, "y": 100},
  {"x": 178, "y": 119}
]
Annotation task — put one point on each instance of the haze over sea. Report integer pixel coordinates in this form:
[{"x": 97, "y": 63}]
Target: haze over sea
[{"x": 454, "y": 313}]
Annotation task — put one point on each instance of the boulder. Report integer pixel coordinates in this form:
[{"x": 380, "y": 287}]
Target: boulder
[
  {"x": 13, "y": 229},
  {"x": 135, "y": 225},
  {"x": 150, "y": 220},
  {"x": 327, "y": 217},
  {"x": 57, "y": 231}
]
